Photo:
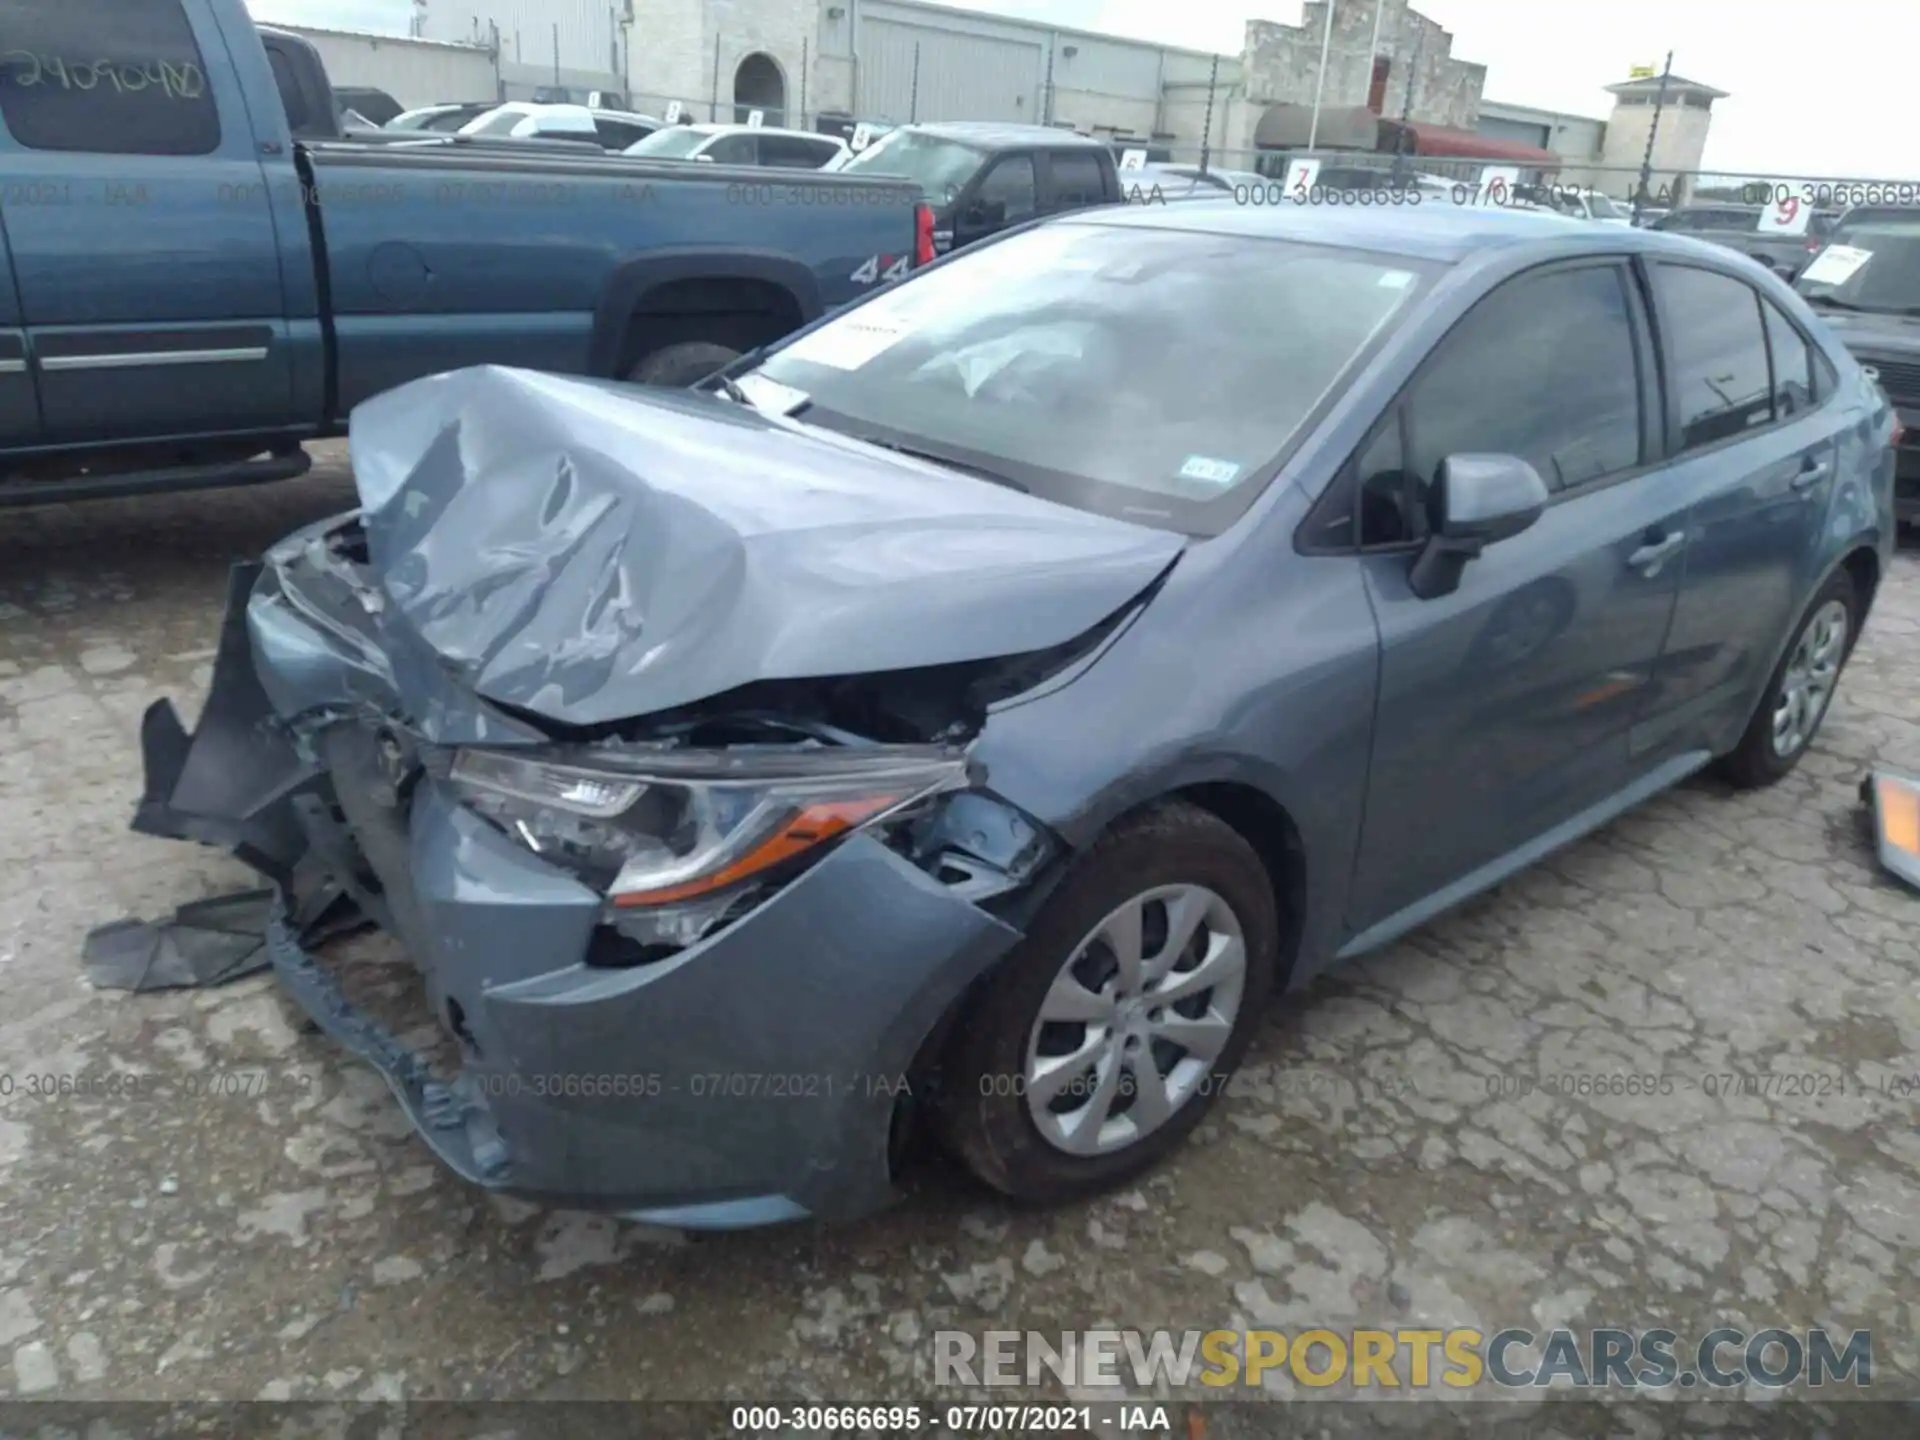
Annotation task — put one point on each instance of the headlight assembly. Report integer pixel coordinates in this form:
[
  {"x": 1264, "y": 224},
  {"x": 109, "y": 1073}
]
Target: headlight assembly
[{"x": 660, "y": 829}]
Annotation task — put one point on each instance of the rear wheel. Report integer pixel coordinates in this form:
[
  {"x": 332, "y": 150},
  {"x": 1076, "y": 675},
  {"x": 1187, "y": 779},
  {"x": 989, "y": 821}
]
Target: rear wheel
[
  {"x": 677, "y": 366},
  {"x": 1797, "y": 697},
  {"x": 1105, "y": 1035}
]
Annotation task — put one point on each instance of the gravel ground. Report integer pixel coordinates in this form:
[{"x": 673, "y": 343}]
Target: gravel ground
[{"x": 282, "y": 1235}]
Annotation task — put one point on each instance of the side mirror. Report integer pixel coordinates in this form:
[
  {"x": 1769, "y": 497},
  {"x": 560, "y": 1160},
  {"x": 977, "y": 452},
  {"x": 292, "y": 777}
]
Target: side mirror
[
  {"x": 985, "y": 215},
  {"x": 1476, "y": 501}
]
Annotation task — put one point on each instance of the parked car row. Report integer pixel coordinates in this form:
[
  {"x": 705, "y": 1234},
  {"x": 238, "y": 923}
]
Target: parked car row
[{"x": 227, "y": 274}]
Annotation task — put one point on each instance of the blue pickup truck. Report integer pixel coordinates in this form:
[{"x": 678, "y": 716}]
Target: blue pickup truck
[{"x": 202, "y": 272}]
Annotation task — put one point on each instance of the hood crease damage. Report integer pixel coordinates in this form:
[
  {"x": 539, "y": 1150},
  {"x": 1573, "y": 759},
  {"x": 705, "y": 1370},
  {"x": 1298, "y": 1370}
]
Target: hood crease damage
[{"x": 586, "y": 553}]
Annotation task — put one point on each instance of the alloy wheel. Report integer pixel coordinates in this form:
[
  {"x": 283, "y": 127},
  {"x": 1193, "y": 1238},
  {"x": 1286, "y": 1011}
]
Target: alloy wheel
[
  {"x": 1806, "y": 686},
  {"x": 1131, "y": 1026}
]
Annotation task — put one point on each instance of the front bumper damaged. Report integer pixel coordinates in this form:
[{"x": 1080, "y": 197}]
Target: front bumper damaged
[{"x": 753, "y": 1076}]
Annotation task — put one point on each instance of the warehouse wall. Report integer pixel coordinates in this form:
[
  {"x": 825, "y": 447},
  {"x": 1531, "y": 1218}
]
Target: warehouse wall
[
  {"x": 582, "y": 35},
  {"x": 412, "y": 71}
]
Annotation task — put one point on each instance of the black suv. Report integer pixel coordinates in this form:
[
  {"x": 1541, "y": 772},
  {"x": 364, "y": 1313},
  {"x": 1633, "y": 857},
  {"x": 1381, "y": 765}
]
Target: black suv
[
  {"x": 1866, "y": 286},
  {"x": 982, "y": 177}
]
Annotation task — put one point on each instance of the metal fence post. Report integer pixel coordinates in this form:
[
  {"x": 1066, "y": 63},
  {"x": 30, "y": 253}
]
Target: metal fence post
[
  {"x": 1653, "y": 131},
  {"x": 713, "y": 96},
  {"x": 913, "y": 91},
  {"x": 1406, "y": 107},
  {"x": 1206, "y": 133},
  {"x": 801, "y": 123}
]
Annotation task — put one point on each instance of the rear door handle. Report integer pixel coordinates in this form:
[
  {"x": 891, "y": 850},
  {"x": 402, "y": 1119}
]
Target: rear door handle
[
  {"x": 1650, "y": 556},
  {"x": 1812, "y": 472}
]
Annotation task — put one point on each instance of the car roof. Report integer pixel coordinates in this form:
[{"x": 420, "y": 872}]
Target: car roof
[
  {"x": 1005, "y": 133},
  {"x": 1444, "y": 233}
]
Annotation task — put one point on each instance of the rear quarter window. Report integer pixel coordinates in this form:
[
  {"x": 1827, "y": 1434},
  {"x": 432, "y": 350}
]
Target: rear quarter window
[{"x": 122, "y": 77}]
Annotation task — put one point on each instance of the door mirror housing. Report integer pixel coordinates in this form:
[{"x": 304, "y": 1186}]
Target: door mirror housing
[
  {"x": 983, "y": 217},
  {"x": 1476, "y": 501}
]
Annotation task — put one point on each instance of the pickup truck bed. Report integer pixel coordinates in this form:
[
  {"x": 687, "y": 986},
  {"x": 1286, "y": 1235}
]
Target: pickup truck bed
[{"x": 193, "y": 291}]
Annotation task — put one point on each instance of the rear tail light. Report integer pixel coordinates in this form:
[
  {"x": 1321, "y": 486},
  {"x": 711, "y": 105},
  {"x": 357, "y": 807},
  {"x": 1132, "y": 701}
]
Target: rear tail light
[
  {"x": 923, "y": 235},
  {"x": 1899, "y": 432}
]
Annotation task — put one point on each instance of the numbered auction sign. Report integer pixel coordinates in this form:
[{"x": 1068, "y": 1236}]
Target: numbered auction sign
[
  {"x": 1497, "y": 184},
  {"x": 1786, "y": 215},
  {"x": 674, "y": 112},
  {"x": 1302, "y": 176},
  {"x": 756, "y": 118},
  {"x": 862, "y": 137},
  {"x": 1133, "y": 159}
]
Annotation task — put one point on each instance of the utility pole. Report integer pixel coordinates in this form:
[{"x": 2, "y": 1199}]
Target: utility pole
[
  {"x": 1320, "y": 85},
  {"x": 1653, "y": 131},
  {"x": 1206, "y": 134}
]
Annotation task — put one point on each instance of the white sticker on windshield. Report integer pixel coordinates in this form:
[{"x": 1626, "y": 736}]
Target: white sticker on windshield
[
  {"x": 1210, "y": 471},
  {"x": 770, "y": 395},
  {"x": 1396, "y": 280},
  {"x": 1835, "y": 264},
  {"x": 845, "y": 344}
]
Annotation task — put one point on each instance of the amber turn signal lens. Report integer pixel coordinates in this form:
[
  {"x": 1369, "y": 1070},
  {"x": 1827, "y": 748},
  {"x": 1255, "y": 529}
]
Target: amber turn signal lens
[{"x": 1898, "y": 807}]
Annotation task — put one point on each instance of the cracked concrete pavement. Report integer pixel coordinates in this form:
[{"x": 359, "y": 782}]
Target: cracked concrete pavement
[{"x": 281, "y": 1234}]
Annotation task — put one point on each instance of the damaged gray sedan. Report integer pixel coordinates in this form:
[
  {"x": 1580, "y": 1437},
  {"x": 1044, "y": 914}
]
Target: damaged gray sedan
[{"x": 963, "y": 715}]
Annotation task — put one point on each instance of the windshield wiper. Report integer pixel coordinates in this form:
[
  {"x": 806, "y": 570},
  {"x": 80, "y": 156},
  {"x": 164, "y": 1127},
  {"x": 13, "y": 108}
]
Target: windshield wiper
[
  {"x": 974, "y": 470},
  {"x": 727, "y": 386}
]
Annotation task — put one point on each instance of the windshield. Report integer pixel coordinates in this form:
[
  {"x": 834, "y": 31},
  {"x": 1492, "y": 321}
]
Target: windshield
[
  {"x": 939, "y": 167},
  {"x": 676, "y": 142},
  {"x": 1155, "y": 376},
  {"x": 1601, "y": 208},
  {"x": 1871, "y": 262}
]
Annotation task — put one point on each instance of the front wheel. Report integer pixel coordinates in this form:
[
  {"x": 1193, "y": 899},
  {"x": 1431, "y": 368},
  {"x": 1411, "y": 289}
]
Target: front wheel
[
  {"x": 1105, "y": 1035},
  {"x": 1797, "y": 697},
  {"x": 677, "y": 366}
]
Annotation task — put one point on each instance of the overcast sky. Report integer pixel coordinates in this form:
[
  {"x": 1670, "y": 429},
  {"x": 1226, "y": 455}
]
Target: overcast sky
[{"x": 1820, "y": 90}]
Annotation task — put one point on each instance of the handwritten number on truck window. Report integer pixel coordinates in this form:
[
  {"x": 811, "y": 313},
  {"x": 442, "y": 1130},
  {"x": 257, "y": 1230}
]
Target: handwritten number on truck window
[{"x": 178, "y": 81}]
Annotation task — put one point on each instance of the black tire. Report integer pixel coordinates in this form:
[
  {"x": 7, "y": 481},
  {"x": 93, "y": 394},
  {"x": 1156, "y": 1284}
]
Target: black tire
[
  {"x": 1755, "y": 762},
  {"x": 987, "y": 1124},
  {"x": 675, "y": 367}
]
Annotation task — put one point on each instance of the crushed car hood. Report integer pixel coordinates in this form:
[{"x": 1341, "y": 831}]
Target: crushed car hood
[{"x": 590, "y": 552}]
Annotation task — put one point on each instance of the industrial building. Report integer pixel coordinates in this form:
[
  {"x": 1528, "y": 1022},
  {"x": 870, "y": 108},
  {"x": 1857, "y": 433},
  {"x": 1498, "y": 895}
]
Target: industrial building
[{"x": 1391, "y": 78}]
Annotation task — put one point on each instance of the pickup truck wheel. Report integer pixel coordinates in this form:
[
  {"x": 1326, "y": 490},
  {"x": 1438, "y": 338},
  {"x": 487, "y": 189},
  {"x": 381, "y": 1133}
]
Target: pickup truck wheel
[
  {"x": 1100, "y": 1041},
  {"x": 677, "y": 366}
]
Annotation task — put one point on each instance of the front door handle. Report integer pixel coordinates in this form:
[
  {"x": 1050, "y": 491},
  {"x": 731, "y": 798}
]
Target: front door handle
[
  {"x": 1812, "y": 472},
  {"x": 1650, "y": 556}
]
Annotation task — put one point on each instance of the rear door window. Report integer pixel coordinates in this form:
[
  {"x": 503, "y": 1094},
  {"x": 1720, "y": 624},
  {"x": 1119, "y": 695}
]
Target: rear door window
[
  {"x": 793, "y": 152},
  {"x": 120, "y": 77},
  {"x": 1075, "y": 178},
  {"x": 1794, "y": 385},
  {"x": 1718, "y": 349},
  {"x": 736, "y": 149},
  {"x": 618, "y": 134}
]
